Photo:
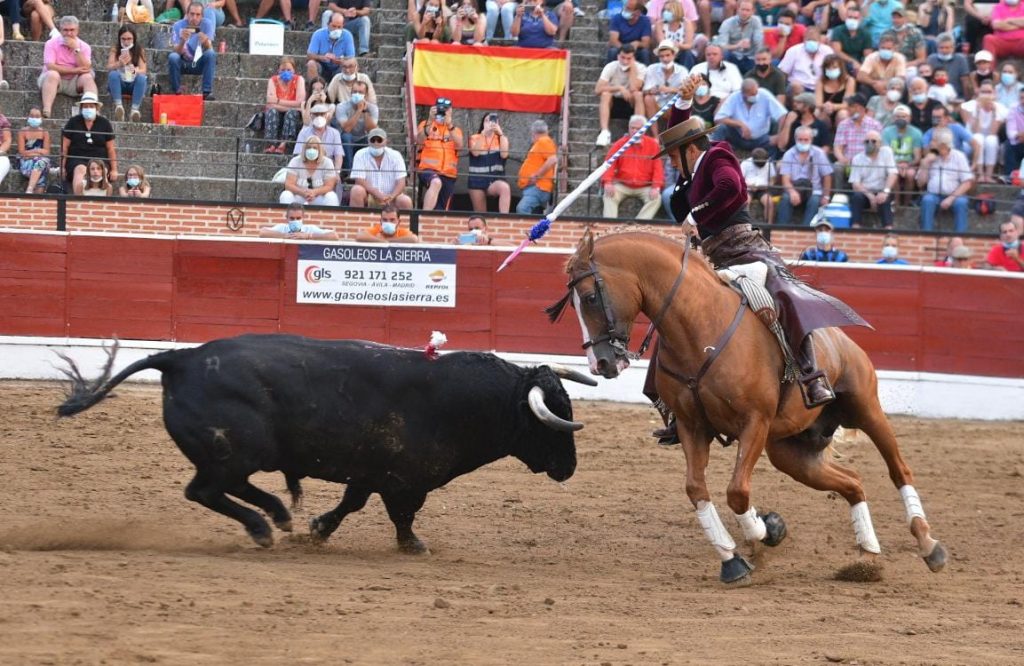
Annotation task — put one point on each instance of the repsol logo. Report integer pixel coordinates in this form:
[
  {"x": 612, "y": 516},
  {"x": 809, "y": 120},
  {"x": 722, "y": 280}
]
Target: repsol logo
[{"x": 315, "y": 273}]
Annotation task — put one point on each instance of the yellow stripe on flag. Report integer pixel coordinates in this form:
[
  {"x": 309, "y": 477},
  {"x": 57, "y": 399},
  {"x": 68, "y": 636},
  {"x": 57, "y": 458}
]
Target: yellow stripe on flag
[{"x": 466, "y": 70}]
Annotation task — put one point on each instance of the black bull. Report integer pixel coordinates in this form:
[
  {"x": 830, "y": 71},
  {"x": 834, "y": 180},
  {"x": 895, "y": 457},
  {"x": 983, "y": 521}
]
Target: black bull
[{"x": 376, "y": 418}]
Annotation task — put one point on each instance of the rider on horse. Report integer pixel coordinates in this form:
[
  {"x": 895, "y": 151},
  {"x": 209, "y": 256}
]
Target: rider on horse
[{"x": 711, "y": 197}]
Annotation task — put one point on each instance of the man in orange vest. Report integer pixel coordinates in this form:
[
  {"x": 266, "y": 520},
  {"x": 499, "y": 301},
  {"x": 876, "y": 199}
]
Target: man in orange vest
[{"x": 439, "y": 143}]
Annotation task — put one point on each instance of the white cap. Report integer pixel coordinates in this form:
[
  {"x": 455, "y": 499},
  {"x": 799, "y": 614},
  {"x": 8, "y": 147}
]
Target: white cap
[
  {"x": 320, "y": 108},
  {"x": 983, "y": 56}
]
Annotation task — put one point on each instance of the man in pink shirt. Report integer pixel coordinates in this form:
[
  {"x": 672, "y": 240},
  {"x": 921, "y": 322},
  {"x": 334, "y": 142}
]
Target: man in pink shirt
[
  {"x": 1007, "y": 38},
  {"x": 67, "y": 65}
]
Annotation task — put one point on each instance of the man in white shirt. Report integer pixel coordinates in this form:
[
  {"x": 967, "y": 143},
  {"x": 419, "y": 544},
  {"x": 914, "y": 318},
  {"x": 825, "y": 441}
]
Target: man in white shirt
[
  {"x": 949, "y": 178},
  {"x": 759, "y": 174},
  {"x": 380, "y": 175},
  {"x": 802, "y": 63},
  {"x": 619, "y": 91},
  {"x": 663, "y": 78},
  {"x": 724, "y": 76},
  {"x": 873, "y": 176}
]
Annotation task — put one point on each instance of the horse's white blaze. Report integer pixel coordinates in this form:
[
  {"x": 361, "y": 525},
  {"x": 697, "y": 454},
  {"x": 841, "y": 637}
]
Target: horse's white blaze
[
  {"x": 591, "y": 359},
  {"x": 753, "y": 526},
  {"x": 863, "y": 529},
  {"x": 912, "y": 502},
  {"x": 714, "y": 530}
]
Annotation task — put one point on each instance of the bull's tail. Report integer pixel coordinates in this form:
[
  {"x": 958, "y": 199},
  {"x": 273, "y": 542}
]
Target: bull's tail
[{"x": 83, "y": 393}]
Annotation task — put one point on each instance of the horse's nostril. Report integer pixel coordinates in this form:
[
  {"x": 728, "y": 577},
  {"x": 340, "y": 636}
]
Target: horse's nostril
[{"x": 602, "y": 364}]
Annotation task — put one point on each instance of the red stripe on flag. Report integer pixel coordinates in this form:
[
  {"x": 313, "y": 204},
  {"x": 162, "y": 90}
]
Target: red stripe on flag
[
  {"x": 477, "y": 99},
  {"x": 517, "y": 52}
]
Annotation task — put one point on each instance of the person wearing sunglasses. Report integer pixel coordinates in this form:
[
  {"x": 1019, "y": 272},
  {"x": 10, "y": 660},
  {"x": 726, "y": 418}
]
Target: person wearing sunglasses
[
  {"x": 295, "y": 228},
  {"x": 380, "y": 175},
  {"x": 873, "y": 177}
]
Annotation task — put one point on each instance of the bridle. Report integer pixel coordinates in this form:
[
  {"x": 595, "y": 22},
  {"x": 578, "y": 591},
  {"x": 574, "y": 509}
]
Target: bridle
[{"x": 612, "y": 334}]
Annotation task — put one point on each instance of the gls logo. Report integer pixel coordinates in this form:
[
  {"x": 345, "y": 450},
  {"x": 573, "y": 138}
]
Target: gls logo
[{"x": 314, "y": 274}]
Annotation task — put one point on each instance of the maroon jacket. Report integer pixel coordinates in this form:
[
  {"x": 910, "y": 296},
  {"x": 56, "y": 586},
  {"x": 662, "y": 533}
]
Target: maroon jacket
[{"x": 718, "y": 192}]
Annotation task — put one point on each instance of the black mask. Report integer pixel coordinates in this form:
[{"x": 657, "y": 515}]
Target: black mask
[{"x": 764, "y": 68}]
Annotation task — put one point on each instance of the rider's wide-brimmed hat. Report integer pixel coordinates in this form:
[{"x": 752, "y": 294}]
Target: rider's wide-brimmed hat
[{"x": 685, "y": 132}]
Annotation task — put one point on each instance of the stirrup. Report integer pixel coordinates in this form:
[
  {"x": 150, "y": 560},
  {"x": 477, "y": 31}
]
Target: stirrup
[
  {"x": 667, "y": 436},
  {"x": 808, "y": 381}
]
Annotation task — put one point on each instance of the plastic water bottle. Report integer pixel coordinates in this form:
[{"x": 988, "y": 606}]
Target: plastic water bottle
[{"x": 113, "y": 13}]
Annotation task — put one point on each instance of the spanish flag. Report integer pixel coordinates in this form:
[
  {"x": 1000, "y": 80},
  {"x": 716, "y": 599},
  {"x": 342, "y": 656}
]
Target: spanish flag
[{"x": 508, "y": 78}]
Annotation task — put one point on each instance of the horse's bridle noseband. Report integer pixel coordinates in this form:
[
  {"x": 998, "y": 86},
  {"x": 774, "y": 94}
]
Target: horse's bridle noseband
[{"x": 620, "y": 341}]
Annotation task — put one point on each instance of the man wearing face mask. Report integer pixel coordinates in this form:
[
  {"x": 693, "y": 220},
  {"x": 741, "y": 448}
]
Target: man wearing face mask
[
  {"x": 390, "y": 229},
  {"x": 767, "y": 76},
  {"x": 329, "y": 137},
  {"x": 86, "y": 137},
  {"x": 190, "y": 37},
  {"x": 787, "y": 34},
  {"x": 328, "y": 47},
  {"x": 741, "y": 36},
  {"x": 879, "y": 18},
  {"x": 339, "y": 89},
  {"x": 882, "y": 65},
  {"x": 850, "y": 134},
  {"x": 922, "y": 108},
  {"x": 850, "y": 41},
  {"x": 711, "y": 196},
  {"x": 1007, "y": 38},
  {"x": 963, "y": 140},
  {"x": 957, "y": 68},
  {"x": 803, "y": 62},
  {"x": 630, "y": 26},
  {"x": 380, "y": 175},
  {"x": 724, "y": 77},
  {"x": 295, "y": 227},
  {"x": 947, "y": 176},
  {"x": 356, "y": 118},
  {"x": 873, "y": 177},
  {"x": 881, "y": 107},
  {"x": 745, "y": 118},
  {"x": 1005, "y": 255},
  {"x": 909, "y": 38},
  {"x": 891, "y": 252},
  {"x": 823, "y": 249},
  {"x": 439, "y": 142},
  {"x": 806, "y": 179},
  {"x": 907, "y": 144}
]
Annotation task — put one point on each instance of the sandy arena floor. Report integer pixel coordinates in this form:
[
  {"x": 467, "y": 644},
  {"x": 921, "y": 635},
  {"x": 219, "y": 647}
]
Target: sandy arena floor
[{"x": 103, "y": 561}]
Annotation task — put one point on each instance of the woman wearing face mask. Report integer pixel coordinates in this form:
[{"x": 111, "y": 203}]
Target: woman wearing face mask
[
  {"x": 803, "y": 115},
  {"x": 983, "y": 117},
  {"x": 984, "y": 71},
  {"x": 1009, "y": 86},
  {"x": 97, "y": 184},
  {"x": 311, "y": 178},
  {"x": 86, "y": 137},
  {"x": 34, "y": 152},
  {"x": 882, "y": 106},
  {"x": 673, "y": 23},
  {"x": 286, "y": 93},
  {"x": 135, "y": 183},
  {"x": 834, "y": 85},
  {"x": 705, "y": 105},
  {"x": 428, "y": 23},
  {"x": 126, "y": 65},
  {"x": 488, "y": 150},
  {"x": 317, "y": 95}
]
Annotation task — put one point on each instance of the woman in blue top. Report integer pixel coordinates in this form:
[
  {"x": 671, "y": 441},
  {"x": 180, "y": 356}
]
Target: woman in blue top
[{"x": 488, "y": 150}]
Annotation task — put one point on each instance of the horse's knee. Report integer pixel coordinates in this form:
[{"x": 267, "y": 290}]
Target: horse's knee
[
  {"x": 697, "y": 492},
  {"x": 738, "y": 497}
]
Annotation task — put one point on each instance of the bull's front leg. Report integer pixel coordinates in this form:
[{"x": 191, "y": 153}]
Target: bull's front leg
[
  {"x": 354, "y": 499},
  {"x": 402, "y": 507}
]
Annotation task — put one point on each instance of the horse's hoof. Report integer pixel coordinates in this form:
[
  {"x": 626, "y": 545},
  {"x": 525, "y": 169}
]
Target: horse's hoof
[
  {"x": 265, "y": 540},
  {"x": 413, "y": 547},
  {"x": 735, "y": 570},
  {"x": 284, "y": 525},
  {"x": 317, "y": 530},
  {"x": 776, "y": 527},
  {"x": 936, "y": 560}
]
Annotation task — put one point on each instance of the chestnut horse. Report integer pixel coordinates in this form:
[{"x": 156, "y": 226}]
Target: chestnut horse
[{"x": 614, "y": 278}]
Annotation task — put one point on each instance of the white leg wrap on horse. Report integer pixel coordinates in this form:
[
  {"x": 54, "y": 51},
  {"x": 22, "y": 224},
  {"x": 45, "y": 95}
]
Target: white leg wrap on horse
[
  {"x": 714, "y": 530},
  {"x": 862, "y": 527},
  {"x": 752, "y": 524},
  {"x": 912, "y": 502}
]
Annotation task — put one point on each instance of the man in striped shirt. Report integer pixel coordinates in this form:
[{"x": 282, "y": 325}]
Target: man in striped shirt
[{"x": 379, "y": 172}]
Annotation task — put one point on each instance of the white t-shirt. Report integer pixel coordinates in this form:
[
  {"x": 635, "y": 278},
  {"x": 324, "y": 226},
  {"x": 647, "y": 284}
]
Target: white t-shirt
[
  {"x": 324, "y": 171},
  {"x": 985, "y": 118},
  {"x": 724, "y": 81},
  {"x": 613, "y": 74},
  {"x": 757, "y": 178}
]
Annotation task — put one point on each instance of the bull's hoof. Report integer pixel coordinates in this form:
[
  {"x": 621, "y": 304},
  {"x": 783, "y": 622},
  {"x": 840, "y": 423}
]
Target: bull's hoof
[
  {"x": 776, "y": 527},
  {"x": 284, "y": 525},
  {"x": 936, "y": 560},
  {"x": 318, "y": 530},
  {"x": 735, "y": 570},
  {"x": 265, "y": 540},
  {"x": 413, "y": 547}
]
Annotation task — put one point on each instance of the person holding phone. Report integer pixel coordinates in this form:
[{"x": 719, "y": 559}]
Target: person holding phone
[
  {"x": 533, "y": 26},
  {"x": 127, "y": 69},
  {"x": 475, "y": 233},
  {"x": 488, "y": 150},
  {"x": 135, "y": 184}
]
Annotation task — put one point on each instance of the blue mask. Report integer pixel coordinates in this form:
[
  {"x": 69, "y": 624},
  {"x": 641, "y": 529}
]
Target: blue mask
[
  {"x": 812, "y": 47},
  {"x": 34, "y": 122},
  {"x": 389, "y": 228},
  {"x": 1011, "y": 246},
  {"x": 286, "y": 76},
  {"x": 133, "y": 182},
  {"x": 626, "y": 14},
  {"x": 824, "y": 238},
  {"x": 885, "y": 54},
  {"x": 890, "y": 252},
  {"x": 667, "y": 16},
  {"x": 832, "y": 73},
  {"x": 356, "y": 97},
  {"x": 803, "y": 147},
  {"x": 701, "y": 91},
  {"x": 1007, "y": 78},
  {"x": 294, "y": 226},
  {"x": 945, "y": 57},
  {"x": 89, "y": 114}
]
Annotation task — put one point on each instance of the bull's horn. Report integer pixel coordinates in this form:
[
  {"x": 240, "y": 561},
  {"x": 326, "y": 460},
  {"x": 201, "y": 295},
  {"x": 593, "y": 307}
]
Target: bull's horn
[
  {"x": 572, "y": 375},
  {"x": 545, "y": 415}
]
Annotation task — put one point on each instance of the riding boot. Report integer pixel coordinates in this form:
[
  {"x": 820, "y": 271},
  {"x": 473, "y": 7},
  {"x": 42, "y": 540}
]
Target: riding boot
[
  {"x": 667, "y": 436},
  {"x": 814, "y": 384}
]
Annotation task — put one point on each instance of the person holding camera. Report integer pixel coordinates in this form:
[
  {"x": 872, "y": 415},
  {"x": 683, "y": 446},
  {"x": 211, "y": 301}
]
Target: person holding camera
[
  {"x": 488, "y": 151},
  {"x": 428, "y": 23},
  {"x": 535, "y": 28},
  {"x": 439, "y": 142},
  {"x": 467, "y": 26}
]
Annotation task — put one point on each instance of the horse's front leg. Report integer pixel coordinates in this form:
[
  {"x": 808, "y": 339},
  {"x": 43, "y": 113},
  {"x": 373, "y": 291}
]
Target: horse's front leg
[
  {"x": 696, "y": 446},
  {"x": 768, "y": 528}
]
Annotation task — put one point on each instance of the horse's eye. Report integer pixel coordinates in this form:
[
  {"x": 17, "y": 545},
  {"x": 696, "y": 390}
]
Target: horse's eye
[{"x": 590, "y": 299}]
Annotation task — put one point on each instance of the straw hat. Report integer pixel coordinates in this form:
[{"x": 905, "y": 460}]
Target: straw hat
[{"x": 90, "y": 97}]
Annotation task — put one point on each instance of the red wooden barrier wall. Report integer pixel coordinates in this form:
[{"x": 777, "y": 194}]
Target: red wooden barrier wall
[{"x": 195, "y": 290}]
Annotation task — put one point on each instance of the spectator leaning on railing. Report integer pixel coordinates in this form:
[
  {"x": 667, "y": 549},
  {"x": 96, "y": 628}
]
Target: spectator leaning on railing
[
  {"x": 380, "y": 175},
  {"x": 390, "y": 229},
  {"x": 295, "y": 227},
  {"x": 67, "y": 65},
  {"x": 1005, "y": 255}
]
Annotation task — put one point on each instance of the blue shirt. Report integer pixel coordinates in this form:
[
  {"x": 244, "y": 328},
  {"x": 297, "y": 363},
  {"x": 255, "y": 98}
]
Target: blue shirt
[
  {"x": 322, "y": 44},
  {"x": 961, "y": 138},
  {"x": 903, "y": 262},
  {"x": 531, "y": 31},
  {"x": 817, "y": 254},
  {"x": 757, "y": 116},
  {"x": 630, "y": 32},
  {"x": 879, "y": 18},
  {"x": 283, "y": 228},
  {"x": 206, "y": 26}
]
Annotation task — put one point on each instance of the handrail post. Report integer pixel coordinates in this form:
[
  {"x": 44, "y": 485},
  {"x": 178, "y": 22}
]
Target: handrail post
[{"x": 238, "y": 146}]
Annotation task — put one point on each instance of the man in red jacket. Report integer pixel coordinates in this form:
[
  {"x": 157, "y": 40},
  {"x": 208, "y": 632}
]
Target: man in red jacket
[
  {"x": 635, "y": 174},
  {"x": 711, "y": 197}
]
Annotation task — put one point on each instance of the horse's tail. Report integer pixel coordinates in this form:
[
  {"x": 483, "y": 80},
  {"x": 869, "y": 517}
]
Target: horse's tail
[{"x": 83, "y": 393}]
